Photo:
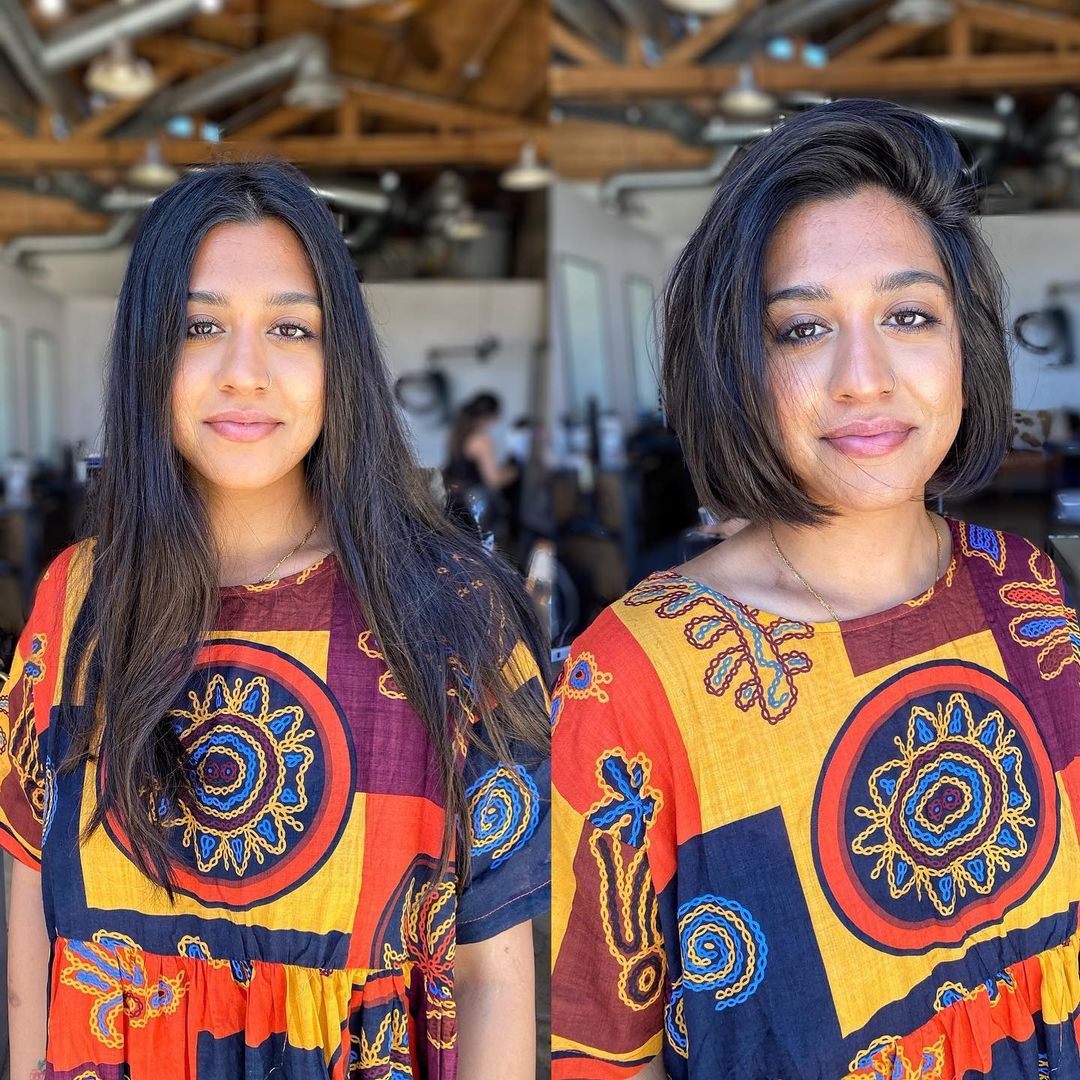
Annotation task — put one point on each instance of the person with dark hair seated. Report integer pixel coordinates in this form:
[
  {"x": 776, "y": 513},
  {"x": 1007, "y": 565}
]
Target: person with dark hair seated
[{"x": 817, "y": 788}]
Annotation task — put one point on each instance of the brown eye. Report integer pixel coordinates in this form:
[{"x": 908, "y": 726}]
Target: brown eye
[{"x": 200, "y": 328}]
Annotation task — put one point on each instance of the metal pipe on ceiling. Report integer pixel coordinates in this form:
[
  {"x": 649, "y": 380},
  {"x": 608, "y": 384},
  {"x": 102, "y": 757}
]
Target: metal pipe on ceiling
[
  {"x": 247, "y": 74},
  {"x": 22, "y": 47},
  {"x": 57, "y": 243},
  {"x": 618, "y": 184},
  {"x": 87, "y": 35}
]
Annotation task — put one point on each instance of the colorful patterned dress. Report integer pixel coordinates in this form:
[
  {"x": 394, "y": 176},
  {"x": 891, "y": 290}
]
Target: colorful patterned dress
[
  {"x": 823, "y": 851},
  {"x": 303, "y": 942}
]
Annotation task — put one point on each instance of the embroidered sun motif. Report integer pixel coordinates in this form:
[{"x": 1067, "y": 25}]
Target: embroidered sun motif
[
  {"x": 248, "y": 768},
  {"x": 950, "y": 810}
]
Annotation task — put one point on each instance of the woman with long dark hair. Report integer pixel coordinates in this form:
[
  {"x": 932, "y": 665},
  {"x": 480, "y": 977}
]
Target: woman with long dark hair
[
  {"x": 273, "y": 761},
  {"x": 818, "y": 788}
]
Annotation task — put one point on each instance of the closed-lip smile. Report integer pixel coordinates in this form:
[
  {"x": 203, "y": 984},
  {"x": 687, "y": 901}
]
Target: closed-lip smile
[
  {"x": 870, "y": 436},
  {"x": 242, "y": 425}
]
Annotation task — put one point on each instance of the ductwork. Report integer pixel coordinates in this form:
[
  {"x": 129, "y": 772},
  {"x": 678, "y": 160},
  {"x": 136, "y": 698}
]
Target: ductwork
[
  {"x": 70, "y": 242},
  {"x": 305, "y": 56},
  {"x": 22, "y": 47},
  {"x": 783, "y": 18},
  {"x": 38, "y": 62},
  {"x": 87, "y": 35},
  {"x": 617, "y": 185},
  {"x": 720, "y": 132},
  {"x": 595, "y": 22},
  {"x": 362, "y": 200}
]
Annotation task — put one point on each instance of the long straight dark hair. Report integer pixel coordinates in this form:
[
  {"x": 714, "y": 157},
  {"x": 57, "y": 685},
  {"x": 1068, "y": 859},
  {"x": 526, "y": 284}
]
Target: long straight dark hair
[{"x": 446, "y": 614}]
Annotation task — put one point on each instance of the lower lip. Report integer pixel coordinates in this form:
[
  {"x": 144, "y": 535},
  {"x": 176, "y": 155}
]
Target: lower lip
[
  {"x": 229, "y": 429},
  {"x": 868, "y": 446}
]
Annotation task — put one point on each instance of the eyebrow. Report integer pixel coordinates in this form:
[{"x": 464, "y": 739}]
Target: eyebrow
[
  {"x": 894, "y": 282},
  {"x": 281, "y": 299}
]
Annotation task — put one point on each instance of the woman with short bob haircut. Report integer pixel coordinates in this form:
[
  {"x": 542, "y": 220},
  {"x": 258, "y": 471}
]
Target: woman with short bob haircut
[
  {"x": 274, "y": 741},
  {"x": 817, "y": 789}
]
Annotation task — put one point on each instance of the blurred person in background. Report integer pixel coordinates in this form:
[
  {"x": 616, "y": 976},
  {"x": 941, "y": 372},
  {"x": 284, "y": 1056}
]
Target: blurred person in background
[
  {"x": 817, "y": 789},
  {"x": 273, "y": 746}
]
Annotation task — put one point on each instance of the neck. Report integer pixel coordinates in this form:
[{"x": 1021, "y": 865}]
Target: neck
[
  {"x": 253, "y": 529},
  {"x": 866, "y": 561}
]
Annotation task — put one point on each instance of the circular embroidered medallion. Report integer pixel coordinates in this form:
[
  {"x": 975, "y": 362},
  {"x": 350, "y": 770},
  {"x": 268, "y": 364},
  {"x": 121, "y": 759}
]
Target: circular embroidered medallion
[
  {"x": 936, "y": 810},
  {"x": 723, "y": 949},
  {"x": 270, "y": 761}
]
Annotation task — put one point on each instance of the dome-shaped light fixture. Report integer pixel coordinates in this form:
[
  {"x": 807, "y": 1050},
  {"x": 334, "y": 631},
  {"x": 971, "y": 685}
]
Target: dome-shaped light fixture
[
  {"x": 120, "y": 74},
  {"x": 921, "y": 12},
  {"x": 319, "y": 90},
  {"x": 464, "y": 225},
  {"x": 526, "y": 174},
  {"x": 211, "y": 7},
  {"x": 153, "y": 171},
  {"x": 746, "y": 98},
  {"x": 702, "y": 7}
]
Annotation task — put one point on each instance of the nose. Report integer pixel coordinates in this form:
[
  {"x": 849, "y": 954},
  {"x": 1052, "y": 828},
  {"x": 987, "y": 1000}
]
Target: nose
[
  {"x": 244, "y": 364},
  {"x": 861, "y": 368}
]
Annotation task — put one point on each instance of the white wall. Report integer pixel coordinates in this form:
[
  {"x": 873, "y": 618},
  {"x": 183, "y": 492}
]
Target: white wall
[
  {"x": 26, "y": 308},
  {"x": 1033, "y": 251},
  {"x": 411, "y": 317},
  {"x": 581, "y": 228}
]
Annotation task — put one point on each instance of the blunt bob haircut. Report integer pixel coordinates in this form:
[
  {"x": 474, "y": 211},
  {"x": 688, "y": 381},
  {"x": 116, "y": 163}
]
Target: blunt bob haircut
[{"x": 713, "y": 370}]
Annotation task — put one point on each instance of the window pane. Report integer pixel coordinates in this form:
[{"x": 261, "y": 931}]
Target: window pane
[
  {"x": 43, "y": 384},
  {"x": 581, "y": 295},
  {"x": 7, "y": 392},
  {"x": 640, "y": 304}
]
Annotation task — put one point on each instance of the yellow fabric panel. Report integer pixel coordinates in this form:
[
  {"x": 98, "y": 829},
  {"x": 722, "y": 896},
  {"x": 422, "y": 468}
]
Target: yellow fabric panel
[{"x": 325, "y": 903}]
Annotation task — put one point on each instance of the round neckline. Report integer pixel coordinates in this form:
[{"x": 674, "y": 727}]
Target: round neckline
[
  {"x": 300, "y": 577},
  {"x": 904, "y": 607}
]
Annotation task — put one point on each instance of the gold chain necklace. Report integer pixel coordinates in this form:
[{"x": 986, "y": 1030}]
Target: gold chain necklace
[
  {"x": 289, "y": 555},
  {"x": 821, "y": 599}
]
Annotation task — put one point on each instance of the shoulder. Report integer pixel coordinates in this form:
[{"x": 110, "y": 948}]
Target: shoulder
[
  {"x": 1000, "y": 553},
  {"x": 68, "y": 573}
]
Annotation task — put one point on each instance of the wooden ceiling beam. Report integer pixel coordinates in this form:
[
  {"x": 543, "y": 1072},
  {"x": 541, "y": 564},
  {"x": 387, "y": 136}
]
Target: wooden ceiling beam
[
  {"x": 426, "y": 110},
  {"x": 477, "y": 57},
  {"x": 494, "y": 149},
  {"x": 577, "y": 48},
  {"x": 711, "y": 33},
  {"x": 1019, "y": 21},
  {"x": 28, "y": 212},
  {"x": 587, "y": 150},
  {"x": 882, "y": 42},
  {"x": 278, "y": 121},
  {"x": 1000, "y": 72}
]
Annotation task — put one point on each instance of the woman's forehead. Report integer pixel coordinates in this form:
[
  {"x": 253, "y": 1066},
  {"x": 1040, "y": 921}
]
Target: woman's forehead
[{"x": 862, "y": 238}]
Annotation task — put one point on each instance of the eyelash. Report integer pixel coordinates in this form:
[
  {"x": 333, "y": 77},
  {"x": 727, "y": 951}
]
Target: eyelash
[
  {"x": 928, "y": 320},
  {"x": 306, "y": 335}
]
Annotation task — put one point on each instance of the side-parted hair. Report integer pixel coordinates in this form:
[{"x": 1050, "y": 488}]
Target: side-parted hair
[
  {"x": 446, "y": 615},
  {"x": 714, "y": 379}
]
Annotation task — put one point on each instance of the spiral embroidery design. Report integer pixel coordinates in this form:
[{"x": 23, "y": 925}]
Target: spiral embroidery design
[
  {"x": 723, "y": 949},
  {"x": 504, "y": 807}
]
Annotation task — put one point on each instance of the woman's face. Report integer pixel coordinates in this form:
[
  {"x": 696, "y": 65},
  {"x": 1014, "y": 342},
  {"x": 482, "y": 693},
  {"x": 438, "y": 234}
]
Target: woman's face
[
  {"x": 863, "y": 351},
  {"x": 247, "y": 400}
]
